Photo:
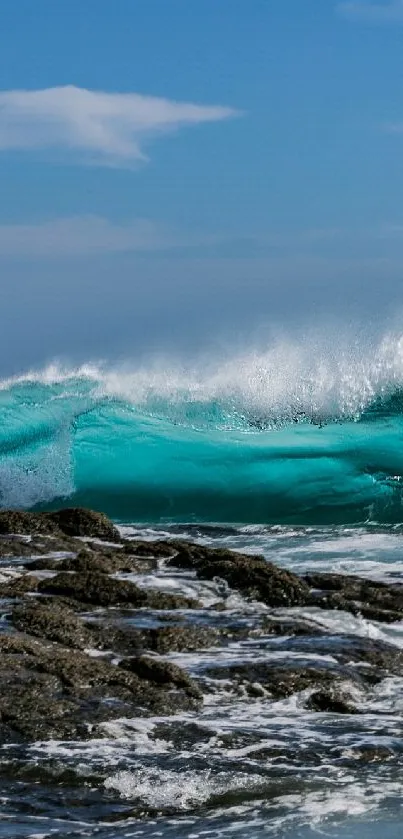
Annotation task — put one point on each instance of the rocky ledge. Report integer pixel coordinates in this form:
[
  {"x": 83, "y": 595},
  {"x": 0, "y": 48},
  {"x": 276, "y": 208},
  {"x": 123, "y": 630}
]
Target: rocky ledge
[{"x": 74, "y": 655}]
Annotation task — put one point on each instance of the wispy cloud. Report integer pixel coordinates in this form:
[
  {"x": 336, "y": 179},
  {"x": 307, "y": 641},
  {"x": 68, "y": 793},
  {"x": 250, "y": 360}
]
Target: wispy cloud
[
  {"x": 86, "y": 235},
  {"x": 89, "y": 235},
  {"x": 391, "y": 11},
  {"x": 393, "y": 128},
  {"x": 112, "y": 128}
]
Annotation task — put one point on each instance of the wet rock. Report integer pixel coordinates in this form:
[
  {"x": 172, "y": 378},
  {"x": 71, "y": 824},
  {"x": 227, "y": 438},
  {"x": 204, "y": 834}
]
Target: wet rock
[
  {"x": 19, "y": 521},
  {"x": 252, "y": 575},
  {"x": 188, "y": 554},
  {"x": 29, "y": 711},
  {"x": 60, "y": 543},
  {"x": 166, "y": 639},
  {"x": 74, "y": 605},
  {"x": 14, "y": 547},
  {"x": 330, "y": 702},
  {"x": 163, "y": 673},
  {"x": 74, "y": 521},
  {"x": 77, "y": 521},
  {"x": 384, "y": 658},
  {"x": 263, "y": 679},
  {"x": 43, "y": 563},
  {"x": 19, "y": 586},
  {"x": 47, "y": 690},
  {"x": 373, "y": 600},
  {"x": 86, "y": 561},
  {"x": 121, "y": 560},
  {"x": 257, "y": 579},
  {"x": 182, "y": 735},
  {"x": 120, "y": 638},
  {"x": 382, "y": 615},
  {"x": 50, "y": 687},
  {"x": 93, "y": 588},
  {"x": 100, "y": 590},
  {"x": 290, "y": 626},
  {"x": 53, "y": 621},
  {"x": 359, "y": 661},
  {"x": 374, "y": 754},
  {"x": 371, "y": 659},
  {"x": 159, "y": 549},
  {"x": 124, "y": 639}
]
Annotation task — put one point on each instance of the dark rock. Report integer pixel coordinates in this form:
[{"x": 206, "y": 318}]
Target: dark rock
[
  {"x": 182, "y": 735},
  {"x": 373, "y": 600},
  {"x": 282, "y": 680},
  {"x": 49, "y": 691},
  {"x": 15, "y": 547},
  {"x": 327, "y": 677},
  {"x": 158, "y": 549},
  {"x": 128, "y": 640},
  {"x": 164, "y": 639},
  {"x": 188, "y": 554},
  {"x": 371, "y": 613},
  {"x": 257, "y": 579},
  {"x": 49, "y": 686},
  {"x": 86, "y": 561},
  {"x": 75, "y": 606},
  {"x": 42, "y": 548},
  {"x": 105, "y": 562},
  {"x": 101, "y": 590},
  {"x": 122, "y": 560},
  {"x": 351, "y": 651},
  {"x": 330, "y": 702},
  {"x": 19, "y": 586},
  {"x": 59, "y": 542},
  {"x": 53, "y": 621},
  {"x": 19, "y": 521},
  {"x": 161, "y": 672},
  {"x": 290, "y": 627},
  {"x": 30, "y": 711},
  {"x": 94, "y": 588},
  {"x": 77, "y": 521},
  {"x": 43, "y": 563},
  {"x": 74, "y": 521},
  {"x": 374, "y": 754},
  {"x": 251, "y": 575},
  {"x": 121, "y": 639}
]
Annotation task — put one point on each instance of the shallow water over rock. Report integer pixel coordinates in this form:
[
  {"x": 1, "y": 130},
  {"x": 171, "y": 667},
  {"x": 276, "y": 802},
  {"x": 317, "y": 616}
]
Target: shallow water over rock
[{"x": 199, "y": 709}]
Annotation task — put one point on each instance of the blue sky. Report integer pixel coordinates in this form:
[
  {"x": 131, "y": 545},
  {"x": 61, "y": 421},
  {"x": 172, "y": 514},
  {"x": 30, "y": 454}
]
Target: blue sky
[{"x": 177, "y": 172}]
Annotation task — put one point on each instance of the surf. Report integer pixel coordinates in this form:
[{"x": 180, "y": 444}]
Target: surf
[{"x": 299, "y": 433}]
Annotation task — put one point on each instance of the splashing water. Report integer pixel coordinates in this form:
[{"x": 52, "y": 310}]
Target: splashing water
[{"x": 300, "y": 433}]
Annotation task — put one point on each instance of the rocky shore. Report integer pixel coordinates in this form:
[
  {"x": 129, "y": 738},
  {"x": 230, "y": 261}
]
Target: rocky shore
[{"x": 82, "y": 644}]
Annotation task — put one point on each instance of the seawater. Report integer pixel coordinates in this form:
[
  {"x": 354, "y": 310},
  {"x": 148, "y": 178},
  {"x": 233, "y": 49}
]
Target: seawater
[
  {"x": 297, "y": 434},
  {"x": 295, "y": 453},
  {"x": 238, "y": 767}
]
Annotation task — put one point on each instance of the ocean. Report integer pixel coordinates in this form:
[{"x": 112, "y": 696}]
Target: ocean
[{"x": 294, "y": 453}]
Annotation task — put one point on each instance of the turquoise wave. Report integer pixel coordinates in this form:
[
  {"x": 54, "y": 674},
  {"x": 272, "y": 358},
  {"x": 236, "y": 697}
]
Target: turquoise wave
[{"x": 229, "y": 446}]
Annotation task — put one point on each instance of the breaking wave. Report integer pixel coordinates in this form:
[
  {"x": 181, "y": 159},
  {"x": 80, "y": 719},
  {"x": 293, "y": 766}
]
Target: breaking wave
[{"x": 301, "y": 433}]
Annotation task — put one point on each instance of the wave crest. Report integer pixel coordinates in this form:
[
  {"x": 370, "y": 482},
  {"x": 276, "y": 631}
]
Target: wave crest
[{"x": 184, "y": 442}]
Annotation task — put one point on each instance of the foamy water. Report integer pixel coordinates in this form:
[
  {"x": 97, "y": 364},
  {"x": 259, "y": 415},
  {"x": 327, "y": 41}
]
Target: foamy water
[{"x": 241, "y": 766}]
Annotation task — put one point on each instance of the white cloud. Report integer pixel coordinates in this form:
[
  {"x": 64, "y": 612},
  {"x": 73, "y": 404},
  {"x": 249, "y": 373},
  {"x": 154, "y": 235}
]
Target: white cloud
[
  {"x": 387, "y": 12},
  {"x": 110, "y": 127}
]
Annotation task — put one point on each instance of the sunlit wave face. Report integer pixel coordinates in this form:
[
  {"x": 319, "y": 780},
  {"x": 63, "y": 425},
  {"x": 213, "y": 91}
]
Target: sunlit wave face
[{"x": 305, "y": 432}]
